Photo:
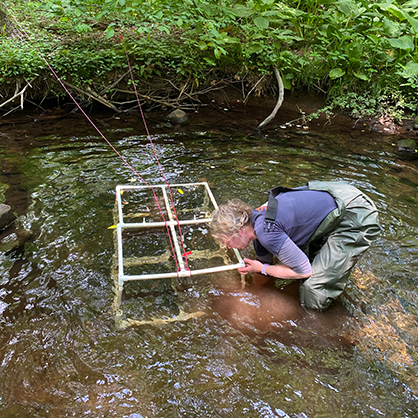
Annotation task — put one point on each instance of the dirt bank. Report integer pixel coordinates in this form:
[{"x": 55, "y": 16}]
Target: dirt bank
[{"x": 223, "y": 109}]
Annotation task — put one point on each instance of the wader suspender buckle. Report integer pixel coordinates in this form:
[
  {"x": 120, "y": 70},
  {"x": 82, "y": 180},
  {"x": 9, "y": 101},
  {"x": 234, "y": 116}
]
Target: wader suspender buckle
[{"x": 270, "y": 219}]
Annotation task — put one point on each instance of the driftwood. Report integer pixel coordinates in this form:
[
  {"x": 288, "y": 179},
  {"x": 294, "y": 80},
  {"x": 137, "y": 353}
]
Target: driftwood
[{"x": 279, "y": 101}]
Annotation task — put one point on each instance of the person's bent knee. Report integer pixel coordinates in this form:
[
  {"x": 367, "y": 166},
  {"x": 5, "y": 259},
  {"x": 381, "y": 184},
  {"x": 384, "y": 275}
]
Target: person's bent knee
[{"x": 312, "y": 298}]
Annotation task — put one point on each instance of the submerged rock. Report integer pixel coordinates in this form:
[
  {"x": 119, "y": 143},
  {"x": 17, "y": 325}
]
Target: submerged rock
[
  {"x": 407, "y": 149},
  {"x": 407, "y": 145},
  {"x": 384, "y": 332},
  {"x": 15, "y": 240},
  {"x": 7, "y": 217},
  {"x": 177, "y": 117}
]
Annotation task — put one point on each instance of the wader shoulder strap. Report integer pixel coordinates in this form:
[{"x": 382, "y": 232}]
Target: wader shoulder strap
[{"x": 272, "y": 205}]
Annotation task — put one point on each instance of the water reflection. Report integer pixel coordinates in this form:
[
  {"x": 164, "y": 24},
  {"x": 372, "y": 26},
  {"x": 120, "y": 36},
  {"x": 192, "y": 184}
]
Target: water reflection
[{"x": 255, "y": 352}]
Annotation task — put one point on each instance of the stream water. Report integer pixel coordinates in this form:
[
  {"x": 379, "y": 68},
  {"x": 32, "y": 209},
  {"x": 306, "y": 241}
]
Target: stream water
[{"x": 254, "y": 352}]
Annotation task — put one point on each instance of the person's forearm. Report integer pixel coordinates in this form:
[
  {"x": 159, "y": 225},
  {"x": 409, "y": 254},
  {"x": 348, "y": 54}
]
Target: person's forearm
[
  {"x": 280, "y": 271},
  {"x": 283, "y": 272}
]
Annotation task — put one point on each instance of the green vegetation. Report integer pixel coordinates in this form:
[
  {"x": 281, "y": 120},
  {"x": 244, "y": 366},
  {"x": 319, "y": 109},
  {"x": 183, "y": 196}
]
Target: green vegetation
[{"x": 361, "y": 53}]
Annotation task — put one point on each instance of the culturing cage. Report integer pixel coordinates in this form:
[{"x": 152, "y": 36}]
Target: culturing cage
[{"x": 155, "y": 241}]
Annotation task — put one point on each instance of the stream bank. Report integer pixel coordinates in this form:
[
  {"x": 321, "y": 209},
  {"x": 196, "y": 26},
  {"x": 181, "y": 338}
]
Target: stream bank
[{"x": 228, "y": 107}]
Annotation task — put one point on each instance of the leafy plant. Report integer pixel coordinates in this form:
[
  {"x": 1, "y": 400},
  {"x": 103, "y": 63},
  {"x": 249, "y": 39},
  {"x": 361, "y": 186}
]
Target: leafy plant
[{"x": 362, "y": 54}]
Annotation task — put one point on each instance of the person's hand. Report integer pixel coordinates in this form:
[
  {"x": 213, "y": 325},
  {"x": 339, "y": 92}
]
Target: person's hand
[{"x": 251, "y": 266}]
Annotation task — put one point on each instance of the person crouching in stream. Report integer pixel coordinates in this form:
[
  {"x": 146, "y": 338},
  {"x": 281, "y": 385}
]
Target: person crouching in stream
[{"x": 317, "y": 232}]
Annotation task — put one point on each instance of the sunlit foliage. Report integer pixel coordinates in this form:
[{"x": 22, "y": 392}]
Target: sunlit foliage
[{"x": 362, "y": 54}]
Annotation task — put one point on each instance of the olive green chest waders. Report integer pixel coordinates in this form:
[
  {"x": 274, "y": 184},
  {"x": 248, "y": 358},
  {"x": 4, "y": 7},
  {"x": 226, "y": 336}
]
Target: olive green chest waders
[{"x": 348, "y": 232}]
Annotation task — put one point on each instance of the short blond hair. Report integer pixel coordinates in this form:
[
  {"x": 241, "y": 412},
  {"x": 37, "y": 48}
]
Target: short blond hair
[{"x": 229, "y": 218}]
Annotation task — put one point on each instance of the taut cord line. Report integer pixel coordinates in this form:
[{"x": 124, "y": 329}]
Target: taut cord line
[
  {"x": 103, "y": 136},
  {"x": 158, "y": 161}
]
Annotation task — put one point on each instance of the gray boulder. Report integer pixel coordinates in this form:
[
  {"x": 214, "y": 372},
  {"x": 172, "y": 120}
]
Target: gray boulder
[
  {"x": 408, "y": 145},
  {"x": 407, "y": 149},
  {"x": 177, "y": 117},
  {"x": 7, "y": 216}
]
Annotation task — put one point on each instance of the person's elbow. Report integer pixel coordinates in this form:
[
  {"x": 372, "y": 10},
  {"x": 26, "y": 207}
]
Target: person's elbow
[
  {"x": 300, "y": 274},
  {"x": 305, "y": 275}
]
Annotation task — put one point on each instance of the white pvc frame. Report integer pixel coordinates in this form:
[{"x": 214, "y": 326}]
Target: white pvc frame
[{"x": 172, "y": 223}]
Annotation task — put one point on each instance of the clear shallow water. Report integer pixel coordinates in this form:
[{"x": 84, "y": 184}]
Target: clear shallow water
[{"x": 254, "y": 353}]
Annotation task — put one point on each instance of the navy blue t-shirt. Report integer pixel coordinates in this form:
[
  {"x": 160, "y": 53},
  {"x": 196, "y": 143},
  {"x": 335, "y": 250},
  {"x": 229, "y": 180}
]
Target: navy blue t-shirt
[{"x": 299, "y": 214}]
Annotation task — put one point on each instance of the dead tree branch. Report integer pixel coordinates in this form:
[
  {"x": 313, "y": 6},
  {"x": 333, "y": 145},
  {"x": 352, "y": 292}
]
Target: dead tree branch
[
  {"x": 93, "y": 96},
  {"x": 152, "y": 99},
  {"x": 254, "y": 87},
  {"x": 182, "y": 91},
  {"x": 279, "y": 100},
  {"x": 19, "y": 93},
  {"x": 111, "y": 86}
]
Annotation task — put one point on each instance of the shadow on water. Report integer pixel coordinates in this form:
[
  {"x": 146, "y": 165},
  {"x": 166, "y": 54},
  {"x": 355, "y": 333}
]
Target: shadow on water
[
  {"x": 255, "y": 352},
  {"x": 272, "y": 312}
]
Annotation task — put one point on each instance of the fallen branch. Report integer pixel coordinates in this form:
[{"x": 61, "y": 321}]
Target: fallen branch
[
  {"x": 255, "y": 85},
  {"x": 212, "y": 88},
  {"x": 279, "y": 100},
  {"x": 183, "y": 91},
  {"x": 114, "y": 84},
  {"x": 92, "y": 95},
  {"x": 152, "y": 99},
  {"x": 10, "y": 111},
  {"x": 18, "y": 93}
]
